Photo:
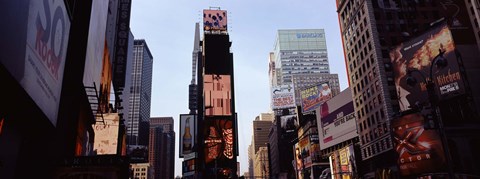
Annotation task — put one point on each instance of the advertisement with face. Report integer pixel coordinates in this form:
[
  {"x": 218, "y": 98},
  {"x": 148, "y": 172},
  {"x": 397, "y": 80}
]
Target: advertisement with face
[
  {"x": 289, "y": 123},
  {"x": 283, "y": 97},
  {"x": 416, "y": 57},
  {"x": 419, "y": 150},
  {"x": 187, "y": 134},
  {"x": 46, "y": 49},
  {"x": 106, "y": 135},
  {"x": 314, "y": 96},
  {"x": 215, "y": 20}
]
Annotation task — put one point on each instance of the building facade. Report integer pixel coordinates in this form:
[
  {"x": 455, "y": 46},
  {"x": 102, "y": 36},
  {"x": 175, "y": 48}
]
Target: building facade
[
  {"x": 369, "y": 30},
  {"x": 261, "y": 164},
  {"x": 300, "y": 51},
  {"x": 141, "y": 171},
  {"x": 161, "y": 150},
  {"x": 140, "y": 94}
]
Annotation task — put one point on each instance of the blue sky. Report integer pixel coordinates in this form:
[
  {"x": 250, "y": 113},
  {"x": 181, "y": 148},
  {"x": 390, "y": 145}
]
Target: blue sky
[{"x": 168, "y": 27}]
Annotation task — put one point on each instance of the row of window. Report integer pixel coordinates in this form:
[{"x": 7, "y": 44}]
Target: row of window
[{"x": 376, "y": 148}]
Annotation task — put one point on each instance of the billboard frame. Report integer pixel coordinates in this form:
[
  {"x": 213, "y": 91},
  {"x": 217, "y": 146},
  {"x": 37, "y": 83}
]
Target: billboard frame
[{"x": 193, "y": 125}]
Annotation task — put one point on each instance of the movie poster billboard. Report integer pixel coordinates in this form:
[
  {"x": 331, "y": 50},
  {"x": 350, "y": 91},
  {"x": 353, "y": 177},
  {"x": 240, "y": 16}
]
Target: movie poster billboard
[
  {"x": 215, "y": 20},
  {"x": 289, "y": 123},
  {"x": 40, "y": 73},
  {"x": 187, "y": 134},
  {"x": 419, "y": 150},
  {"x": 337, "y": 122},
  {"x": 314, "y": 96},
  {"x": 343, "y": 163},
  {"x": 416, "y": 56},
  {"x": 219, "y": 145},
  {"x": 283, "y": 97},
  {"x": 106, "y": 135}
]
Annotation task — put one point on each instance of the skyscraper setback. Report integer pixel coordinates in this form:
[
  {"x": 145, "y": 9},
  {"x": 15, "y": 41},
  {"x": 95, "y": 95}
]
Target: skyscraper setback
[{"x": 140, "y": 94}]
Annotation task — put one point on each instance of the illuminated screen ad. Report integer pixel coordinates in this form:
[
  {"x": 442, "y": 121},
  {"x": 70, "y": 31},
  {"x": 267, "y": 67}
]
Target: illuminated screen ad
[
  {"x": 187, "y": 134},
  {"x": 217, "y": 95},
  {"x": 419, "y": 150},
  {"x": 219, "y": 145},
  {"x": 215, "y": 20}
]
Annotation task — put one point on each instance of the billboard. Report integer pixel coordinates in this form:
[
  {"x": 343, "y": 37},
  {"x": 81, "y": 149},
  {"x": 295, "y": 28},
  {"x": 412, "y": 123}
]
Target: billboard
[
  {"x": 219, "y": 146},
  {"x": 40, "y": 71},
  {"x": 188, "y": 167},
  {"x": 313, "y": 97},
  {"x": 188, "y": 130},
  {"x": 106, "y": 135},
  {"x": 283, "y": 97},
  {"x": 289, "y": 123},
  {"x": 343, "y": 163},
  {"x": 215, "y": 20},
  {"x": 337, "y": 120},
  {"x": 419, "y": 53},
  {"x": 217, "y": 95},
  {"x": 419, "y": 150}
]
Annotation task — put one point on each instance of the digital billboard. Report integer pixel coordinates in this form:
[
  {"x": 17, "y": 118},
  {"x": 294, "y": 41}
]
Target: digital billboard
[
  {"x": 283, "y": 97},
  {"x": 419, "y": 150},
  {"x": 215, "y": 20},
  {"x": 187, "y": 134},
  {"x": 418, "y": 54},
  {"x": 219, "y": 145},
  {"x": 337, "y": 121},
  {"x": 314, "y": 96},
  {"x": 289, "y": 123},
  {"x": 106, "y": 135},
  {"x": 40, "y": 73},
  {"x": 217, "y": 95}
]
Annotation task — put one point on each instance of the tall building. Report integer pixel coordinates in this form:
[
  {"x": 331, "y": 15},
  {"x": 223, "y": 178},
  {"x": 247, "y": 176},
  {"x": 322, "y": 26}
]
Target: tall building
[
  {"x": 251, "y": 158},
  {"x": 140, "y": 94},
  {"x": 300, "y": 51},
  {"x": 162, "y": 147},
  {"x": 261, "y": 163},
  {"x": 196, "y": 55},
  {"x": 261, "y": 128},
  {"x": 369, "y": 30}
]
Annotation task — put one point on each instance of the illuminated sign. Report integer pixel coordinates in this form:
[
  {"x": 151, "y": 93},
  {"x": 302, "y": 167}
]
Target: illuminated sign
[
  {"x": 314, "y": 96},
  {"x": 214, "y": 20},
  {"x": 419, "y": 150},
  {"x": 187, "y": 134}
]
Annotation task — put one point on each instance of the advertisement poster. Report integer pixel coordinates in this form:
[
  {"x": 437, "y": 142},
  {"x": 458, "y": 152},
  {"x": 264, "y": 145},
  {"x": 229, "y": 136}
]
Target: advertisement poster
[
  {"x": 416, "y": 56},
  {"x": 219, "y": 142},
  {"x": 106, "y": 135},
  {"x": 283, "y": 97},
  {"x": 187, "y": 134},
  {"x": 314, "y": 96},
  {"x": 215, "y": 20},
  {"x": 289, "y": 123},
  {"x": 419, "y": 150},
  {"x": 46, "y": 49}
]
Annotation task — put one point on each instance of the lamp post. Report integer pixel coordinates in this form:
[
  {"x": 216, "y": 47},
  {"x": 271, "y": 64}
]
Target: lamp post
[{"x": 440, "y": 62}]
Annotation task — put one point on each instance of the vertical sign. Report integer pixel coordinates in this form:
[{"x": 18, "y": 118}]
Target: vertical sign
[{"x": 121, "y": 43}]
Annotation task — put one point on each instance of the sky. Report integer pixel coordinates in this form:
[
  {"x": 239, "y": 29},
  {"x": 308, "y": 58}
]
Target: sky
[{"x": 168, "y": 28}]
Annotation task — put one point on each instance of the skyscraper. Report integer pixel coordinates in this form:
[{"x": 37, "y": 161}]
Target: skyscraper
[
  {"x": 301, "y": 51},
  {"x": 369, "y": 30},
  {"x": 162, "y": 147},
  {"x": 140, "y": 94},
  {"x": 192, "y": 88}
]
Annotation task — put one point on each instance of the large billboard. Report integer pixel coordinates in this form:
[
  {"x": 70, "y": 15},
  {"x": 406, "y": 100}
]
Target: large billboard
[
  {"x": 283, "y": 97},
  {"x": 35, "y": 51},
  {"x": 343, "y": 163},
  {"x": 419, "y": 54},
  {"x": 215, "y": 20},
  {"x": 419, "y": 150},
  {"x": 106, "y": 135},
  {"x": 314, "y": 96},
  {"x": 336, "y": 120},
  {"x": 219, "y": 144},
  {"x": 289, "y": 123},
  {"x": 217, "y": 95},
  {"x": 187, "y": 134}
]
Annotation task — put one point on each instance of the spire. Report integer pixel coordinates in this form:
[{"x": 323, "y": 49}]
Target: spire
[{"x": 196, "y": 42}]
